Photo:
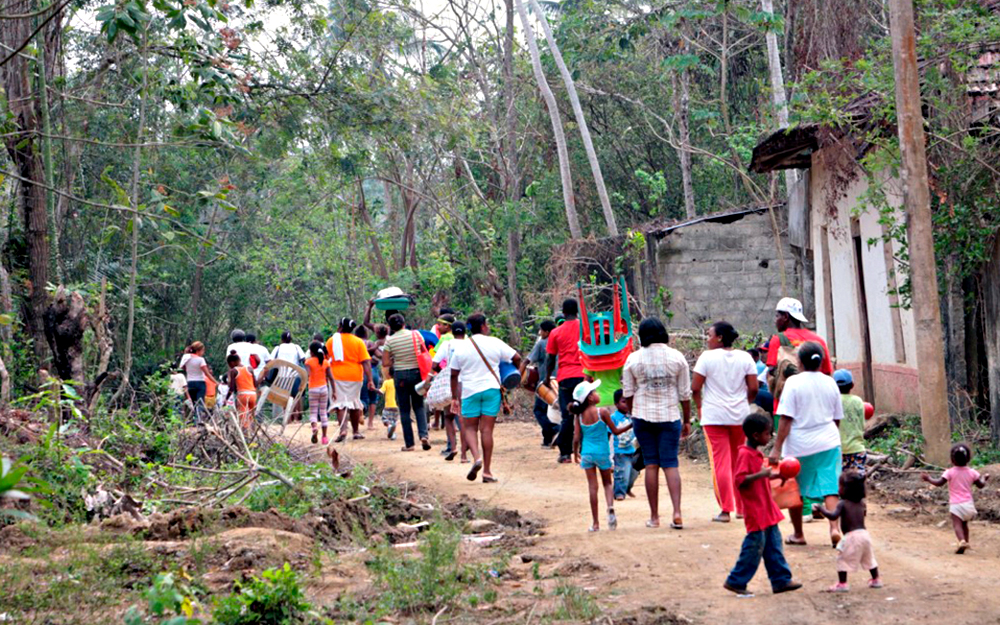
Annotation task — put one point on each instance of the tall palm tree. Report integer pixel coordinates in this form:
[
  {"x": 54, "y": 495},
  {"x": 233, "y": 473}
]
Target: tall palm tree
[
  {"x": 574, "y": 99},
  {"x": 557, "y": 128}
]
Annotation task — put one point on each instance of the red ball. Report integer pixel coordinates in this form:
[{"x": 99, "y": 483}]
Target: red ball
[
  {"x": 789, "y": 468},
  {"x": 869, "y": 411}
]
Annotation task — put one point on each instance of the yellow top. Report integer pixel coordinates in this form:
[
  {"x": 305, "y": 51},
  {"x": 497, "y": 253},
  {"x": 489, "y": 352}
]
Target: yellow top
[{"x": 389, "y": 390}]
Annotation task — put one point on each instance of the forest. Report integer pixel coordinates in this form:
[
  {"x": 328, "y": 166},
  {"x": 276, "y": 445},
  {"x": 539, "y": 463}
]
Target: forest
[{"x": 176, "y": 169}]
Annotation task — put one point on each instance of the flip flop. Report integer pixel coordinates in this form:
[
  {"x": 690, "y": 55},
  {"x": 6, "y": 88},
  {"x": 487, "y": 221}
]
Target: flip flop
[
  {"x": 677, "y": 523},
  {"x": 315, "y": 437},
  {"x": 451, "y": 456},
  {"x": 791, "y": 541},
  {"x": 426, "y": 445},
  {"x": 489, "y": 479},
  {"x": 651, "y": 524},
  {"x": 358, "y": 437},
  {"x": 474, "y": 471},
  {"x": 593, "y": 529}
]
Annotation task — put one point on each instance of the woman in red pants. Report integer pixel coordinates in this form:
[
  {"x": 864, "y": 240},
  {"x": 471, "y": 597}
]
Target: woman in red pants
[{"x": 723, "y": 387}]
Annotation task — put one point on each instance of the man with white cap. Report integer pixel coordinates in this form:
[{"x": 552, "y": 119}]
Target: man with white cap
[{"x": 788, "y": 320}]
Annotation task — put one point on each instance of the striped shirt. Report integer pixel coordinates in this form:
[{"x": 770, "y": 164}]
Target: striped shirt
[
  {"x": 400, "y": 345},
  {"x": 659, "y": 379}
]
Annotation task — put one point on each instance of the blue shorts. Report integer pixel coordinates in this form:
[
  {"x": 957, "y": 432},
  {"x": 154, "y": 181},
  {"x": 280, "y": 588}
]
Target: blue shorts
[
  {"x": 659, "y": 441},
  {"x": 484, "y": 404},
  {"x": 600, "y": 461}
]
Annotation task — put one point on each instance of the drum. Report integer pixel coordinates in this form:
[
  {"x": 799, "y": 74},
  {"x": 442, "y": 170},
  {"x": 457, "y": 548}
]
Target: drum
[
  {"x": 530, "y": 380},
  {"x": 548, "y": 395},
  {"x": 510, "y": 377}
]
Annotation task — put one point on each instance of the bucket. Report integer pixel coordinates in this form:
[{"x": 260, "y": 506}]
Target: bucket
[
  {"x": 424, "y": 386},
  {"x": 547, "y": 394},
  {"x": 510, "y": 377}
]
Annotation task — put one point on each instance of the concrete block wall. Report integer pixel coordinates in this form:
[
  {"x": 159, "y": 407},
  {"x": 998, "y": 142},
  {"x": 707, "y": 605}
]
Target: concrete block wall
[{"x": 726, "y": 271}]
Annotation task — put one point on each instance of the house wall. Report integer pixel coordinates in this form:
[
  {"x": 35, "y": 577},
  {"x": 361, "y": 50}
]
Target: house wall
[
  {"x": 727, "y": 271},
  {"x": 836, "y": 197}
]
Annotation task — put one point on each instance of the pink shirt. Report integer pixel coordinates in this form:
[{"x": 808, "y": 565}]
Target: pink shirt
[{"x": 960, "y": 481}]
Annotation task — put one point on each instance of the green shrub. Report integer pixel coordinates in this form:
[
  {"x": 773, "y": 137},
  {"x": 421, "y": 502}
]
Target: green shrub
[
  {"x": 275, "y": 598},
  {"x": 577, "y": 604}
]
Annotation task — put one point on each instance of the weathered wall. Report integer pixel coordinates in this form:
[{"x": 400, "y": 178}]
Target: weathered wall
[{"x": 728, "y": 271}]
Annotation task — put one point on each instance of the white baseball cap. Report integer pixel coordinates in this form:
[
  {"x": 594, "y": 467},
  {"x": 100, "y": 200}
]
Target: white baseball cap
[
  {"x": 584, "y": 389},
  {"x": 791, "y": 306}
]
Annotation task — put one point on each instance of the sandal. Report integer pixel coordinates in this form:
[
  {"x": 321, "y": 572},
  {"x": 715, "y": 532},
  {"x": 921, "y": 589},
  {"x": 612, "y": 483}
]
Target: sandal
[
  {"x": 875, "y": 583},
  {"x": 677, "y": 523},
  {"x": 653, "y": 524},
  {"x": 315, "y": 437},
  {"x": 410, "y": 448},
  {"x": 425, "y": 444},
  {"x": 489, "y": 479},
  {"x": 722, "y": 517},
  {"x": 838, "y": 587},
  {"x": 962, "y": 547},
  {"x": 791, "y": 541},
  {"x": 465, "y": 461},
  {"x": 612, "y": 519},
  {"x": 835, "y": 538},
  {"x": 474, "y": 471},
  {"x": 340, "y": 439},
  {"x": 593, "y": 528},
  {"x": 451, "y": 456},
  {"x": 358, "y": 436}
]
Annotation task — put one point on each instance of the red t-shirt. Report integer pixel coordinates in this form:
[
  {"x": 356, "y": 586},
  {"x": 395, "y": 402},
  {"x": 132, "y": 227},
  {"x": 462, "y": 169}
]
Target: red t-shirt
[
  {"x": 798, "y": 336},
  {"x": 759, "y": 510},
  {"x": 564, "y": 342}
]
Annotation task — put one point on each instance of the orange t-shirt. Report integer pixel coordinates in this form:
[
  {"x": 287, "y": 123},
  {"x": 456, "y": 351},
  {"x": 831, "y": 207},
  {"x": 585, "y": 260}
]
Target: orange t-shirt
[
  {"x": 349, "y": 369},
  {"x": 244, "y": 380},
  {"x": 317, "y": 372}
]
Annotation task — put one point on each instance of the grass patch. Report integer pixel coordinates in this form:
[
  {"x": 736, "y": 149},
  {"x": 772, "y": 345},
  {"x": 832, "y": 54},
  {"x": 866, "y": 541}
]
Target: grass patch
[
  {"x": 82, "y": 583},
  {"x": 577, "y": 604},
  {"x": 427, "y": 581}
]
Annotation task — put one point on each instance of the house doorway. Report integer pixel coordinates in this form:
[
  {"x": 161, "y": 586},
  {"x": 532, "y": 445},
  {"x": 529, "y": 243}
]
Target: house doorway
[{"x": 868, "y": 386}]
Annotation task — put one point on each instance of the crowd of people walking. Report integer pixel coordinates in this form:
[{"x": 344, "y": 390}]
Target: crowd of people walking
[{"x": 785, "y": 390}]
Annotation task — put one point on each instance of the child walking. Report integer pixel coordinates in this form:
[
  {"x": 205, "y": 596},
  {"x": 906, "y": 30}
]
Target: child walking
[
  {"x": 856, "y": 551},
  {"x": 760, "y": 514},
  {"x": 625, "y": 450},
  {"x": 242, "y": 380},
  {"x": 853, "y": 454},
  {"x": 390, "y": 411},
  {"x": 592, "y": 445},
  {"x": 960, "y": 479},
  {"x": 320, "y": 385}
]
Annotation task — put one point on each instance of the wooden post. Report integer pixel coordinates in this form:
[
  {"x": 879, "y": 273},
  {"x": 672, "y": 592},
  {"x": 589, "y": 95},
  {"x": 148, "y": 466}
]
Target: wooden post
[{"x": 923, "y": 269}]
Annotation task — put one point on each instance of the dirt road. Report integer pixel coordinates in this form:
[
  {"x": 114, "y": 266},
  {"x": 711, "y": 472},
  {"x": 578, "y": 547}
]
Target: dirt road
[{"x": 636, "y": 567}]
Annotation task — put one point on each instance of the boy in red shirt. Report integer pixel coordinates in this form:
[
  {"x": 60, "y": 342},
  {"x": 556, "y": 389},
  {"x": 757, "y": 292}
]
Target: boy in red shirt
[{"x": 760, "y": 514}]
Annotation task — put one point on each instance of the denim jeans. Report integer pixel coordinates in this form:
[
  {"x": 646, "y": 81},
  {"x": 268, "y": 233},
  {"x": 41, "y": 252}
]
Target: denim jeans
[
  {"x": 409, "y": 400},
  {"x": 549, "y": 429},
  {"x": 197, "y": 390},
  {"x": 565, "y": 439},
  {"x": 625, "y": 474},
  {"x": 767, "y": 544}
]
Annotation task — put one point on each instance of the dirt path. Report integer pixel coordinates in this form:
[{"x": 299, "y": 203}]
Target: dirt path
[{"x": 683, "y": 571}]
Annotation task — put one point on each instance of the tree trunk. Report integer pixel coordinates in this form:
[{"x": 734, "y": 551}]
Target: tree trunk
[
  {"x": 375, "y": 250},
  {"x": 6, "y": 306},
  {"x": 134, "y": 193},
  {"x": 777, "y": 87},
  {"x": 923, "y": 268},
  {"x": 50, "y": 203},
  {"x": 682, "y": 101},
  {"x": 512, "y": 186},
  {"x": 513, "y": 254},
  {"x": 566, "y": 176},
  {"x": 574, "y": 99},
  {"x": 24, "y": 153},
  {"x": 4, "y": 383},
  {"x": 65, "y": 322}
]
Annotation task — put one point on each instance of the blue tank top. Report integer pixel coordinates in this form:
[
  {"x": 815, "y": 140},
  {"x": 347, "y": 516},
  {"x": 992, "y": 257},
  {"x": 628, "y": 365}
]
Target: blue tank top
[{"x": 596, "y": 441}]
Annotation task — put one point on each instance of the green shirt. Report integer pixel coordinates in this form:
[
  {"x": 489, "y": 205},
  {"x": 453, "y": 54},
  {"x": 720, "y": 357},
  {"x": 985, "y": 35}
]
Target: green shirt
[
  {"x": 852, "y": 426},
  {"x": 611, "y": 381}
]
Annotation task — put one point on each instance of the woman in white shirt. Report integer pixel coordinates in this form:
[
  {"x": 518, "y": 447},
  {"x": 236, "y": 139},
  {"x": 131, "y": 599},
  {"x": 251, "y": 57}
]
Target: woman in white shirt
[
  {"x": 197, "y": 372},
  {"x": 810, "y": 409},
  {"x": 723, "y": 386}
]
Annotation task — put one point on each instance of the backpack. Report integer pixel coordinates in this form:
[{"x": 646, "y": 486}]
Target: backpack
[{"x": 787, "y": 366}]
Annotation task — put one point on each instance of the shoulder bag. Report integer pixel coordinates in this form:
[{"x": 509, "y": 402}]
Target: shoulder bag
[
  {"x": 504, "y": 402},
  {"x": 423, "y": 357}
]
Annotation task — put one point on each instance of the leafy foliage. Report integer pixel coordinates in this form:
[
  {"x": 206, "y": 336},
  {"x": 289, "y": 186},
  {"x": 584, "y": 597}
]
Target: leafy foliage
[{"x": 274, "y": 597}]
